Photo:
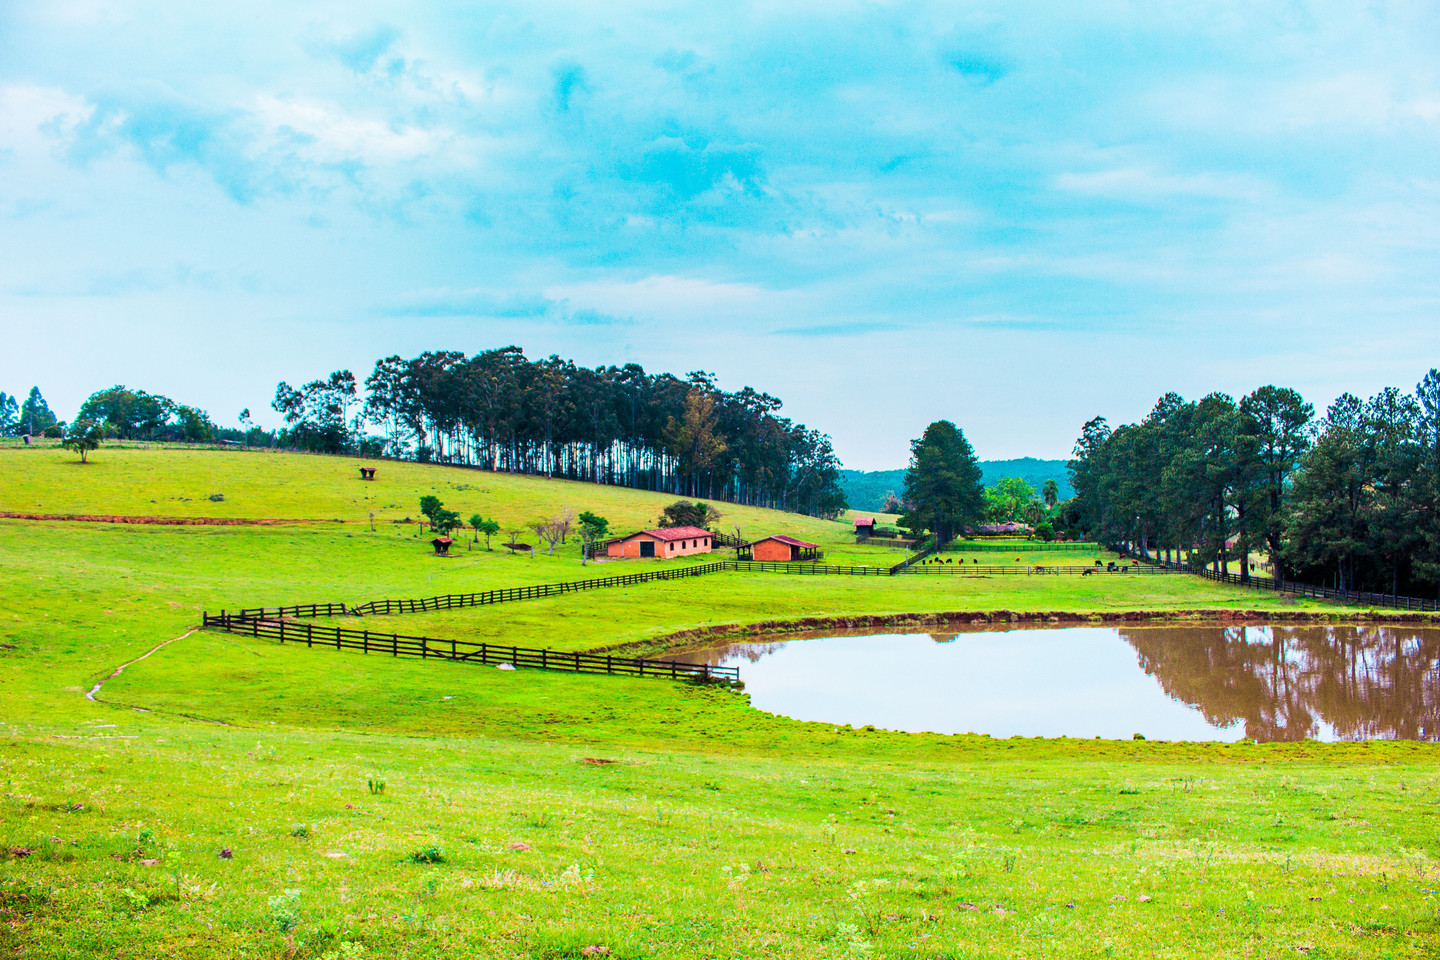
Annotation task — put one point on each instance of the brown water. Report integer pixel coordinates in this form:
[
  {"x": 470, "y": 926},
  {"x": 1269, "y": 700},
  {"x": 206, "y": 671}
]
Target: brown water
[{"x": 1166, "y": 682}]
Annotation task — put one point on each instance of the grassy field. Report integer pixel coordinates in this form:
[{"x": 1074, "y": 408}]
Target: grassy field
[{"x": 214, "y": 801}]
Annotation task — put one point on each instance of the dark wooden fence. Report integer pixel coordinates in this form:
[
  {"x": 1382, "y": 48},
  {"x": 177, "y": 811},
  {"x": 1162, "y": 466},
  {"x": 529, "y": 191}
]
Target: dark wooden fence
[
  {"x": 463, "y": 651},
  {"x": 1300, "y": 589},
  {"x": 1018, "y": 569},
  {"x": 815, "y": 569},
  {"x": 968, "y": 546},
  {"x": 453, "y": 601},
  {"x": 927, "y": 547}
]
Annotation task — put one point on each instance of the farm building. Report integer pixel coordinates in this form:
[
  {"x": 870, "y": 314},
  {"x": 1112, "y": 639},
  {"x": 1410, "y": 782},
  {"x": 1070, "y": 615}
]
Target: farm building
[
  {"x": 665, "y": 542},
  {"x": 779, "y": 549},
  {"x": 864, "y": 526}
]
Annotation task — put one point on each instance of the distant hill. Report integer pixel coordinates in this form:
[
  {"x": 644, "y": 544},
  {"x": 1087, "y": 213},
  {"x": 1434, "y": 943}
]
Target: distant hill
[{"x": 866, "y": 489}]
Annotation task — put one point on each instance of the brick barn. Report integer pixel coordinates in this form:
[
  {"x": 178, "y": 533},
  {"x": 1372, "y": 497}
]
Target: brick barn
[
  {"x": 779, "y": 549},
  {"x": 666, "y": 542}
]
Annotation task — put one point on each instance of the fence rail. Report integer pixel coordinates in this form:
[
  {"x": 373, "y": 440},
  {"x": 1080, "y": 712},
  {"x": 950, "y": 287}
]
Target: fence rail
[
  {"x": 816, "y": 569},
  {"x": 1008, "y": 546},
  {"x": 454, "y": 601},
  {"x": 927, "y": 547},
  {"x": 1031, "y": 569},
  {"x": 467, "y": 651},
  {"x": 1301, "y": 589}
]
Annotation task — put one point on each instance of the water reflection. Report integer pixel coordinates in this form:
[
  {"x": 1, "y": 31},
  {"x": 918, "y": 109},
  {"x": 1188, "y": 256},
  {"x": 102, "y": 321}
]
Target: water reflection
[
  {"x": 1192, "y": 682},
  {"x": 1294, "y": 683}
]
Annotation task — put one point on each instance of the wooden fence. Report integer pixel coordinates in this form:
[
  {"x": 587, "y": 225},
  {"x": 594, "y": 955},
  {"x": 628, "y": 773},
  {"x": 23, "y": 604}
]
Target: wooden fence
[
  {"x": 1010, "y": 546},
  {"x": 1301, "y": 589},
  {"x": 453, "y": 601},
  {"x": 463, "y": 651},
  {"x": 1018, "y": 569}
]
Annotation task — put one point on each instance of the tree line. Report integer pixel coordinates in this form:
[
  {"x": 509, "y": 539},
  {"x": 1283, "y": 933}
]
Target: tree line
[
  {"x": 1350, "y": 499},
  {"x": 614, "y": 425}
]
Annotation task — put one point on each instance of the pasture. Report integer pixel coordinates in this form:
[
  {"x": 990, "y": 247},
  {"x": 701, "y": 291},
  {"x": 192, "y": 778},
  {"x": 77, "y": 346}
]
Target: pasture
[{"x": 220, "y": 797}]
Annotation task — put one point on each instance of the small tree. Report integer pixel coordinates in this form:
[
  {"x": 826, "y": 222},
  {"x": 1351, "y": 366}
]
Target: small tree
[
  {"x": 682, "y": 513},
  {"x": 84, "y": 436},
  {"x": 429, "y": 506},
  {"x": 488, "y": 529},
  {"x": 1050, "y": 491},
  {"x": 549, "y": 530},
  {"x": 564, "y": 521},
  {"x": 593, "y": 529},
  {"x": 475, "y": 521},
  {"x": 445, "y": 521}
]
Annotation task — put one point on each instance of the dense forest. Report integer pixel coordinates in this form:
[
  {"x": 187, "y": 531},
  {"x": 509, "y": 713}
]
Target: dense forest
[
  {"x": 1350, "y": 500},
  {"x": 617, "y": 425}
]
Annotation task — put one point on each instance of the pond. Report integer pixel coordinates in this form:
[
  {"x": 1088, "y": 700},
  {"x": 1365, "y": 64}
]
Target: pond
[{"x": 1209, "y": 682}]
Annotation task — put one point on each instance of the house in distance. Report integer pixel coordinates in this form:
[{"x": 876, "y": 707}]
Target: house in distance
[
  {"x": 665, "y": 542},
  {"x": 779, "y": 549}
]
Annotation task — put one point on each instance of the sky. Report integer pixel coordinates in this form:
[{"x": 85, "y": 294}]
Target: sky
[{"x": 1015, "y": 216}]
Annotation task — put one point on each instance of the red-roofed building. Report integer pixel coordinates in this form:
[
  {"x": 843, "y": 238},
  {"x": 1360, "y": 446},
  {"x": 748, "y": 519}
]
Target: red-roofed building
[
  {"x": 665, "y": 542},
  {"x": 779, "y": 549},
  {"x": 864, "y": 526}
]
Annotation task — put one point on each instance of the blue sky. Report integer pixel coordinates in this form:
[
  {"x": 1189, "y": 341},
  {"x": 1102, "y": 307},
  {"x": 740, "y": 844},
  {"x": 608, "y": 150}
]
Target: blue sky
[{"x": 1016, "y": 216}]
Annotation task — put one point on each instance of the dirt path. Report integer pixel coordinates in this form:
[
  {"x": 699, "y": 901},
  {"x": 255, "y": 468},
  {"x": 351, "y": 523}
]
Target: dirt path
[
  {"x": 96, "y": 689},
  {"x": 158, "y": 521}
]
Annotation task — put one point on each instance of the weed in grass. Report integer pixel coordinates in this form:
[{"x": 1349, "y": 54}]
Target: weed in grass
[
  {"x": 300, "y": 831},
  {"x": 376, "y": 787},
  {"x": 430, "y": 854}
]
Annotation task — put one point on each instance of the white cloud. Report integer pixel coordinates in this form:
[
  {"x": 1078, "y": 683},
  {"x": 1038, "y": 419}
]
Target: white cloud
[
  {"x": 670, "y": 297},
  {"x": 325, "y": 133},
  {"x": 1146, "y": 183},
  {"x": 34, "y": 120}
]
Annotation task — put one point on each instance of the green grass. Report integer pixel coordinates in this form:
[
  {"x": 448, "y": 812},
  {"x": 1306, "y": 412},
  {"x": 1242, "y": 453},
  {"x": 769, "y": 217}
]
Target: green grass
[{"x": 719, "y": 832}]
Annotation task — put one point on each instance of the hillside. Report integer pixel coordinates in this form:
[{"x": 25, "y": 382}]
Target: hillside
[
  {"x": 866, "y": 489},
  {"x": 179, "y": 482}
]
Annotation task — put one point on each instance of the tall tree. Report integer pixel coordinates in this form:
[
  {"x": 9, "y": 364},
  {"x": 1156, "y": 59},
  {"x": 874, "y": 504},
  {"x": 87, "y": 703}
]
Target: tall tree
[
  {"x": 1278, "y": 420},
  {"x": 9, "y": 414},
  {"x": 35, "y": 415},
  {"x": 943, "y": 482}
]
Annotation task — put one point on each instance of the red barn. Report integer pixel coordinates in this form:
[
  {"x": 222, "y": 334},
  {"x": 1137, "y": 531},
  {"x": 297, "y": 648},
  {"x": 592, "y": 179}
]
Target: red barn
[
  {"x": 780, "y": 549},
  {"x": 665, "y": 542},
  {"x": 864, "y": 526}
]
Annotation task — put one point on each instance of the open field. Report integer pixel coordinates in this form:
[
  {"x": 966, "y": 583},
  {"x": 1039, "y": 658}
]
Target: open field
[{"x": 719, "y": 832}]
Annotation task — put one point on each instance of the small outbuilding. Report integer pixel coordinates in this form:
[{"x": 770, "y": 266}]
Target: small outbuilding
[
  {"x": 666, "y": 542},
  {"x": 779, "y": 549},
  {"x": 442, "y": 546},
  {"x": 864, "y": 526},
  {"x": 367, "y": 473}
]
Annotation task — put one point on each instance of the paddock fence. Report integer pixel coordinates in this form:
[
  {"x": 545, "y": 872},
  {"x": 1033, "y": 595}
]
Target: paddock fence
[
  {"x": 1395, "y": 601},
  {"x": 1028, "y": 569},
  {"x": 1010, "y": 546},
  {"x": 463, "y": 651}
]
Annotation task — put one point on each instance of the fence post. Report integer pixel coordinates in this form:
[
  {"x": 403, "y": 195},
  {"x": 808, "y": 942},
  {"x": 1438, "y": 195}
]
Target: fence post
[
  {"x": 609, "y": 664},
  {"x": 282, "y": 629},
  {"x": 309, "y": 635},
  {"x": 367, "y": 641}
]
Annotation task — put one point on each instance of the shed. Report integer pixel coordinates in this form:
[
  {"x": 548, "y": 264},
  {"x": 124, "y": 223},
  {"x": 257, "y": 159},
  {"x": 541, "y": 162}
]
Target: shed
[
  {"x": 442, "y": 546},
  {"x": 779, "y": 549},
  {"x": 665, "y": 542},
  {"x": 864, "y": 526}
]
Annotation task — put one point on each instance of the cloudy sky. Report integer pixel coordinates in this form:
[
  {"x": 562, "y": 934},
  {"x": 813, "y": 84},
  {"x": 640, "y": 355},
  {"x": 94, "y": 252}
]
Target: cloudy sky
[{"x": 1016, "y": 216}]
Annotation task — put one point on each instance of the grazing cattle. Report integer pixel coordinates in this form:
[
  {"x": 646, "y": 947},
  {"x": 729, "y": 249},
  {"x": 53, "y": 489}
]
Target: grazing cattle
[
  {"x": 952, "y": 561},
  {"x": 1099, "y": 563},
  {"x": 976, "y": 560},
  {"x": 1039, "y": 569},
  {"x": 1088, "y": 571},
  {"x": 1110, "y": 566}
]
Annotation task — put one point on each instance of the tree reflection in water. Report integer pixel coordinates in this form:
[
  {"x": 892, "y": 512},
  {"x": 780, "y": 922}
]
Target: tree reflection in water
[{"x": 1364, "y": 682}]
